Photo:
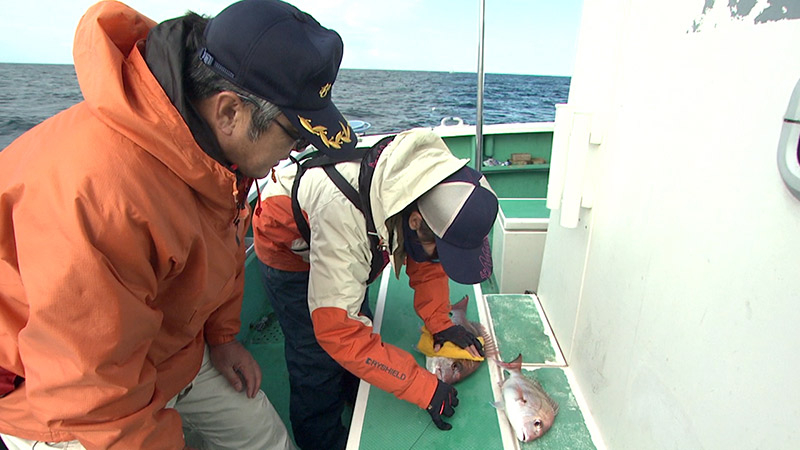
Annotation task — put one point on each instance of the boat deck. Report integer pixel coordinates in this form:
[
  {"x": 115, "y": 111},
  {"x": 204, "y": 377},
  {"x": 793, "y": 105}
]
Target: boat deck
[{"x": 380, "y": 421}]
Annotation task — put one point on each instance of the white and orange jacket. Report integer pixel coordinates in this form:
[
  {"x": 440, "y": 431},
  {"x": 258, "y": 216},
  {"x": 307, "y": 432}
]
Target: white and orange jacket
[
  {"x": 120, "y": 254},
  {"x": 339, "y": 256}
]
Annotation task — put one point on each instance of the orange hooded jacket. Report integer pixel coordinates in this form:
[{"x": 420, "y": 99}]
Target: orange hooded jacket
[{"x": 120, "y": 254}]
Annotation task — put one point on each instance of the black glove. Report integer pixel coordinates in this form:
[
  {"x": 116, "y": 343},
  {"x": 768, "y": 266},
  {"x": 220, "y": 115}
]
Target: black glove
[
  {"x": 458, "y": 335},
  {"x": 445, "y": 398}
]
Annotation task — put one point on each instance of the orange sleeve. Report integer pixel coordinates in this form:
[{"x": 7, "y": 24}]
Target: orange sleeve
[
  {"x": 275, "y": 231},
  {"x": 358, "y": 349},
  {"x": 431, "y": 294},
  {"x": 225, "y": 322}
]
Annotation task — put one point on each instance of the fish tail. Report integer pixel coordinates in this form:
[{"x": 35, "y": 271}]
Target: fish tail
[{"x": 513, "y": 366}]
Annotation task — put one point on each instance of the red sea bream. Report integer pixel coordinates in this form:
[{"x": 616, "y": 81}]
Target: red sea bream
[
  {"x": 451, "y": 370},
  {"x": 529, "y": 409}
]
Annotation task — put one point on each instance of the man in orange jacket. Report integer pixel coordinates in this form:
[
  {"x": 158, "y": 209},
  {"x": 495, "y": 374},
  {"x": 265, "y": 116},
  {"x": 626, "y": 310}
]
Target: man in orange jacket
[{"x": 122, "y": 224}]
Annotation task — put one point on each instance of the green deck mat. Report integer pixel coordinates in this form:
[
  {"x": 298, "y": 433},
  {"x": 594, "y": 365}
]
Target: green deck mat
[
  {"x": 391, "y": 423},
  {"x": 519, "y": 329}
]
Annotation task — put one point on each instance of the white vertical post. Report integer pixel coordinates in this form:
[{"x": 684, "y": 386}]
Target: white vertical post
[
  {"x": 558, "y": 156},
  {"x": 575, "y": 169}
]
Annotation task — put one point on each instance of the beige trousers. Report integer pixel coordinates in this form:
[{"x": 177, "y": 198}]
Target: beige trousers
[{"x": 214, "y": 416}]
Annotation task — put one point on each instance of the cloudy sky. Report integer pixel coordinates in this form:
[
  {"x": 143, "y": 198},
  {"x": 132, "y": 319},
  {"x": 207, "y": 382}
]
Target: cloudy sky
[{"x": 535, "y": 37}]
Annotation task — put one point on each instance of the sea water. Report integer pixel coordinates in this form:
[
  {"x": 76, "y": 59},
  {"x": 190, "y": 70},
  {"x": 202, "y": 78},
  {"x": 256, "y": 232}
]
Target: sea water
[{"x": 389, "y": 100}]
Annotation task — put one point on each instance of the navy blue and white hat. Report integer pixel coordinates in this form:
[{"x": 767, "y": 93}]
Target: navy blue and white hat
[
  {"x": 461, "y": 211},
  {"x": 283, "y": 55}
]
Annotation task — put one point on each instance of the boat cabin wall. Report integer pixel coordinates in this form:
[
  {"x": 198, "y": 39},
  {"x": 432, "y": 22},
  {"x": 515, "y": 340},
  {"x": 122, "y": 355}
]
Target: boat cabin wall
[{"x": 676, "y": 298}]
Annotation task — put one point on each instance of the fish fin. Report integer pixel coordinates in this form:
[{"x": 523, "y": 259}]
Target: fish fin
[
  {"x": 520, "y": 394},
  {"x": 489, "y": 345},
  {"x": 547, "y": 398},
  {"x": 551, "y": 402},
  {"x": 554, "y": 405},
  {"x": 498, "y": 405},
  {"x": 461, "y": 304}
]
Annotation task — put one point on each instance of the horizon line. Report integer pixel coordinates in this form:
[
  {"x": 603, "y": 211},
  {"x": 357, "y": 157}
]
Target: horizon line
[{"x": 346, "y": 68}]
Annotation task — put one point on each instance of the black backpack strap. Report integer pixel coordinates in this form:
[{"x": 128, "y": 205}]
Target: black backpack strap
[
  {"x": 380, "y": 257},
  {"x": 314, "y": 160},
  {"x": 365, "y": 174},
  {"x": 380, "y": 253},
  {"x": 347, "y": 189},
  {"x": 358, "y": 197},
  {"x": 299, "y": 219}
]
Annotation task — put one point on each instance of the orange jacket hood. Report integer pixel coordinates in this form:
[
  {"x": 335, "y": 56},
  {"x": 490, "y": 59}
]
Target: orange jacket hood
[{"x": 108, "y": 53}]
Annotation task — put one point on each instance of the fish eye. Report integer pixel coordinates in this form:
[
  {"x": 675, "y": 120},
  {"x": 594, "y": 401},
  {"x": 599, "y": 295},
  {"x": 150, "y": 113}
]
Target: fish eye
[
  {"x": 455, "y": 366},
  {"x": 537, "y": 423}
]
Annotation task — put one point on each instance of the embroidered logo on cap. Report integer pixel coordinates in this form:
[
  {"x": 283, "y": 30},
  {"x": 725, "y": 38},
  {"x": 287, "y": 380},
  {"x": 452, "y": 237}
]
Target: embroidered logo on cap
[
  {"x": 342, "y": 136},
  {"x": 324, "y": 90}
]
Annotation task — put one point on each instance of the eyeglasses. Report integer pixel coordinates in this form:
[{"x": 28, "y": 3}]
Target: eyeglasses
[{"x": 300, "y": 142}]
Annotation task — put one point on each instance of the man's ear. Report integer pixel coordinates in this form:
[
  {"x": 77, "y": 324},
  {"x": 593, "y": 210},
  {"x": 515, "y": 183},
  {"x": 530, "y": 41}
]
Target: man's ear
[
  {"x": 414, "y": 220},
  {"x": 223, "y": 112}
]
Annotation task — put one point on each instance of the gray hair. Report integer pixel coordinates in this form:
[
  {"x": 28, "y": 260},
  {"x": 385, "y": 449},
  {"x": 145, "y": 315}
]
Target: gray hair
[{"x": 202, "y": 82}]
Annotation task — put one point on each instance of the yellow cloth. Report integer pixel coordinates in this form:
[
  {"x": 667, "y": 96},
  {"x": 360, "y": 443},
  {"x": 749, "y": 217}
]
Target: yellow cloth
[{"x": 448, "y": 350}]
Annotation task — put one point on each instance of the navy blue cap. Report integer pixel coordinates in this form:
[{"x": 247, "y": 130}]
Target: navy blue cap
[
  {"x": 461, "y": 211},
  {"x": 283, "y": 55}
]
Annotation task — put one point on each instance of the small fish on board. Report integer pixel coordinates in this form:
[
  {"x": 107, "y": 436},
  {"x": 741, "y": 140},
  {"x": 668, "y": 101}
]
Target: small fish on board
[
  {"x": 529, "y": 409},
  {"x": 452, "y": 370}
]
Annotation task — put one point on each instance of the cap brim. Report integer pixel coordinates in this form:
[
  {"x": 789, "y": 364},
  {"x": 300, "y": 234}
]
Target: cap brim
[
  {"x": 465, "y": 265},
  {"x": 326, "y": 129}
]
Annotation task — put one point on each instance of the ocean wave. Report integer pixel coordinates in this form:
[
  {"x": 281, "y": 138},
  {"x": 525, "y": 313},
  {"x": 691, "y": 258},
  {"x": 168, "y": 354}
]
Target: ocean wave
[{"x": 391, "y": 101}]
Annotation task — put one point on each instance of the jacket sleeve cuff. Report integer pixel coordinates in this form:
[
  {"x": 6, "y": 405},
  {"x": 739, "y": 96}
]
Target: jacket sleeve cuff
[
  {"x": 427, "y": 383},
  {"x": 213, "y": 340}
]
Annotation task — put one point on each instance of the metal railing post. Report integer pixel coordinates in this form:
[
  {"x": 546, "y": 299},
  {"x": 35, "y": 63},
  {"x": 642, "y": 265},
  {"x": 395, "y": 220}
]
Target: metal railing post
[{"x": 479, "y": 114}]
